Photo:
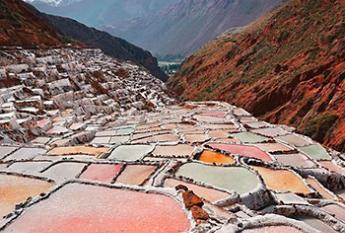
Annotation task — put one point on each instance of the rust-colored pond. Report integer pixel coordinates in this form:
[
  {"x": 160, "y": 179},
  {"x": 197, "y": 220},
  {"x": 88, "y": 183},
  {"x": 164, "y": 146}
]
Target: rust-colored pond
[
  {"x": 81, "y": 208},
  {"x": 215, "y": 157}
]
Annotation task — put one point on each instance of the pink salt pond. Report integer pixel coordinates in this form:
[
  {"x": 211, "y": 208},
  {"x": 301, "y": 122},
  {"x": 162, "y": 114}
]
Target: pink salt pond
[
  {"x": 100, "y": 209},
  {"x": 101, "y": 172},
  {"x": 219, "y": 114},
  {"x": 242, "y": 150}
]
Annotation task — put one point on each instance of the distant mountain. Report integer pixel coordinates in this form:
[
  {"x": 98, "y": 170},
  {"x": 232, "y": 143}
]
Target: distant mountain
[
  {"x": 169, "y": 27},
  {"x": 287, "y": 67},
  {"x": 22, "y": 25}
]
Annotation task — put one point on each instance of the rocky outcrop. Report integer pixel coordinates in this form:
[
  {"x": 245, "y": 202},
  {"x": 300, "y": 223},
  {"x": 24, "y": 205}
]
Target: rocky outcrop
[{"x": 287, "y": 67}]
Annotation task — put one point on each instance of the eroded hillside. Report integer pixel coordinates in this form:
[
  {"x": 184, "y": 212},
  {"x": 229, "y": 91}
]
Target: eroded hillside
[{"x": 287, "y": 67}]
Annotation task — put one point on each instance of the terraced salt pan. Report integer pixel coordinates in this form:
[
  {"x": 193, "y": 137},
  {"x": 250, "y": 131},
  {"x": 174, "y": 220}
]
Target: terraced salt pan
[
  {"x": 315, "y": 184},
  {"x": 124, "y": 131},
  {"x": 228, "y": 126},
  {"x": 193, "y": 138},
  {"x": 215, "y": 157},
  {"x": 6, "y": 150},
  {"x": 240, "y": 112},
  {"x": 136, "y": 174},
  {"x": 333, "y": 167},
  {"x": 294, "y": 140},
  {"x": 271, "y": 132},
  {"x": 282, "y": 180},
  {"x": 75, "y": 150},
  {"x": 290, "y": 199},
  {"x": 218, "y": 134},
  {"x": 317, "y": 224},
  {"x": 130, "y": 152},
  {"x": 272, "y": 147},
  {"x": 28, "y": 167},
  {"x": 219, "y": 114},
  {"x": 100, "y": 140},
  {"x": 295, "y": 160},
  {"x": 209, "y": 119},
  {"x": 273, "y": 229},
  {"x": 258, "y": 124},
  {"x": 25, "y": 154},
  {"x": 119, "y": 139},
  {"x": 138, "y": 136},
  {"x": 248, "y": 137},
  {"x": 316, "y": 151},
  {"x": 247, "y": 119},
  {"x": 106, "y": 133},
  {"x": 211, "y": 195},
  {"x": 41, "y": 140},
  {"x": 180, "y": 150},
  {"x": 101, "y": 172},
  {"x": 16, "y": 189},
  {"x": 336, "y": 210},
  {"x": 64, "y": 171},
  {"x": 116, "y": 211},
  {"x": 231, "y": 179},
  {"x": 243, "y": 150},
  {"x": 159, "y": 138}
]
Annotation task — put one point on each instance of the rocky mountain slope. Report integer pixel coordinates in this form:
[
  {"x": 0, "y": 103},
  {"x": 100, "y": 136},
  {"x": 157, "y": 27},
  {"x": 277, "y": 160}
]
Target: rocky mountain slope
[
  {"x": 174, "y": 27},
  {"x": 287, "y": 67},
  {"x": 22, "y": 25}
]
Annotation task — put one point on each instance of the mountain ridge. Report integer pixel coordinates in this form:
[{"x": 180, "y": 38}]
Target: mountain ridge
[{"x": 171, "y": 27}]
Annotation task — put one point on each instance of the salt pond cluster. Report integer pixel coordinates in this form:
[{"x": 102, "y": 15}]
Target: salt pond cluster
[
  {"x": 59, "y": 91},
  {"x": 194, "y": 167}
]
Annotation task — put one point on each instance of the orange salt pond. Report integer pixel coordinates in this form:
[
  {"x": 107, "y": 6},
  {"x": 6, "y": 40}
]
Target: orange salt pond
[
  {"x": 246, "y": 151},
  {"x": 101, "y": 172},
  {"x": 282, "y": 180},
  {"x": 209, "y": 194},
  {"x": 73, "y": 150},
  {"x": 215, "y": 157},
  {"x": 117, "y": 211},
  {"x": 16, "y": 189},
  {"x": 136, "y": 174}
]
